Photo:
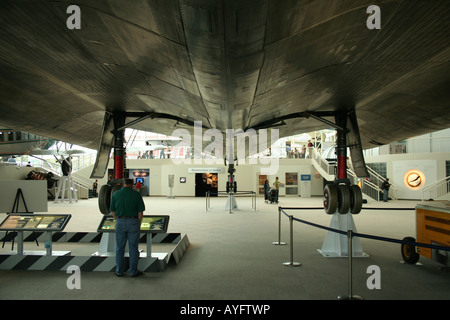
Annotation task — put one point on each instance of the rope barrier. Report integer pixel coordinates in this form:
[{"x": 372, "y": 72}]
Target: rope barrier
[
  {"x": 365, "y": 208},
  {"x": 350, "y": 234},
  {"x": 361, "y": 235},
  {"x": 396, "y": 209},
  {"x": 233, "y": 194}
]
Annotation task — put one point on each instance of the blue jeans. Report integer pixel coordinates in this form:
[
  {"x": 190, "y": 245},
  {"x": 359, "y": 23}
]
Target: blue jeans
[
  {"x": 127, "y": 229},
  {"x": 385, "y": 195}
]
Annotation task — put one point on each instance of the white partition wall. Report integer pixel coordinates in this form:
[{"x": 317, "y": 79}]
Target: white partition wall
[{"x": 34, "y": 192}]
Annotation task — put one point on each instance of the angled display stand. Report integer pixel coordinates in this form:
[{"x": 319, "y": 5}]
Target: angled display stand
[
  {"x": 149, "y": 225},
  {"x": 49, "y": 228},
  {"x": 47, "y": 223}
]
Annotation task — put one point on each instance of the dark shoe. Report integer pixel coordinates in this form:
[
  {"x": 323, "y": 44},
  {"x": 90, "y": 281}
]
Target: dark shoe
[
  {"x": 118, "y": 275},
  {"x": 139, "y": 273}
]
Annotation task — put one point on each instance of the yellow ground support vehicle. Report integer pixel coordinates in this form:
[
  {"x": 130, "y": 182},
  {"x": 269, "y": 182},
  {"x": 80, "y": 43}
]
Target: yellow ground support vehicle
[{"x": 432, "y": 227}]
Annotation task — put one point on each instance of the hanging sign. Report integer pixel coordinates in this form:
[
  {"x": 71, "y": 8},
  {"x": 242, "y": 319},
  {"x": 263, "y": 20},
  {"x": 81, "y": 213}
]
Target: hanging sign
[{"x": 206, "y": 170}]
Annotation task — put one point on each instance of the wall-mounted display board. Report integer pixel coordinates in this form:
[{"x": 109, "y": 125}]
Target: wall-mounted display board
[{"x": 149, "y": 224}]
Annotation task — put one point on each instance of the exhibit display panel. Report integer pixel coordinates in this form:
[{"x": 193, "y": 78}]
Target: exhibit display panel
[
  {"x": 149, "y": 224},
  {"x": 35, "y": 222},
  {"x": 47, "y": 223}
]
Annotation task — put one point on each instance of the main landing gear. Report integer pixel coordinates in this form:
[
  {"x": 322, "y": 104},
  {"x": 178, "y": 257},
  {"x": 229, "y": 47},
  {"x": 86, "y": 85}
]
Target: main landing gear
[
  {"x": 113, "y": 137},
  {"x": 343, "y": 198},
  {"x": 107, "y": 190},
  {"x": 340, "y": 195}
]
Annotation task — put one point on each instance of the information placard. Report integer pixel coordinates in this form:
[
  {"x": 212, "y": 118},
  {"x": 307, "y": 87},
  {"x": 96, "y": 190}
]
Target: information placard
[
  {"x": 149, "y": 224},
  {"x": 35, "y": 222}
]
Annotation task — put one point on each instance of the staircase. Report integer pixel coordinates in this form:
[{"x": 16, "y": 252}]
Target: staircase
[
  {"x": 81, "y": 184},
  {"x": 370, "y": 187},
  {"x": 325, "y": 167}
]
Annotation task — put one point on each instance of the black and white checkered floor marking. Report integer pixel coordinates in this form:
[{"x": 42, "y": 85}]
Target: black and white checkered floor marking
[
  {"x": 84, "y": 237},
  {"x": 87, "y": 263},
  {"x": 61, "y": 263}
]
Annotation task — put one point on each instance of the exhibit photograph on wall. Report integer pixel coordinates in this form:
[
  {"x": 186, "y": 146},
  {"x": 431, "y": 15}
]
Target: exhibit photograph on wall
[{"x": 138, "y": 175}]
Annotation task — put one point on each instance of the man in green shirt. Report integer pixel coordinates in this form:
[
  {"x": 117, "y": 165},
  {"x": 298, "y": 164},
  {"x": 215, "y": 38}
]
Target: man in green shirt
[{"x": 127, "y": 207}]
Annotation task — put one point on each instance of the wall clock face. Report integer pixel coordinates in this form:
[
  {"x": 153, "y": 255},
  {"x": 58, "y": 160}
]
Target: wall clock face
[{"x": 414, "y": 179}]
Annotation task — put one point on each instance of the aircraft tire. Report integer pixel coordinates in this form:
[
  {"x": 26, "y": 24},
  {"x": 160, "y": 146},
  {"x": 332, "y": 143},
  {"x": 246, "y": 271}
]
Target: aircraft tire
[
  {"x": 234, "y": 186},
  {"x": 356, "y": 200},
  {"x": 330, "y": 198},
  {"x": 104, "y": 199},
  {"x": 343, "y": 199},
  {"x": 227, "y": 189},
  {"x": 409, "y": 253}
]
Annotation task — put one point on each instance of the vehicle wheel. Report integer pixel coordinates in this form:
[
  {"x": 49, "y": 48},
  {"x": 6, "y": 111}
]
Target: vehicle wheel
[
  {"x": 330, "y": 198},
  {"x": 234, "y": 186},
  {"x": 356, "y": 200},
  {"x": 409, "y": 253},
  {"x": 343, "y": 199},
  {"x": 104, "y": 199},
  {"x": 227, "y": 189}
]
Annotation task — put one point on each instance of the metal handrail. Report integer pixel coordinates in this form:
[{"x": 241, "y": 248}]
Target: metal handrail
[{"x": 439, "y": 189}]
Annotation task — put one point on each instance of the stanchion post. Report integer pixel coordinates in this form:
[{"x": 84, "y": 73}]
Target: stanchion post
[
  {"x": 350, "y": 295},
  {"x": 19, "y": 242},
  {"x": 291, "y": 263},
  {"x": 279, "y": 243},
  {"x": 48, "y": 243}
]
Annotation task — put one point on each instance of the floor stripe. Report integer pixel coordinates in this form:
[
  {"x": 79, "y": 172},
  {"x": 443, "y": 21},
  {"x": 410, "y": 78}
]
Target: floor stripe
[
  {"x": 57, "y": 236},
  {"x": 107, "y": 265},
  {"x": 170, "y": 238},
  {"x": 58, "y": 263},
  {"x": 87, "y": 237},
  {"x": 26, "y": 262},
  {"x": 92, "y": 263}
]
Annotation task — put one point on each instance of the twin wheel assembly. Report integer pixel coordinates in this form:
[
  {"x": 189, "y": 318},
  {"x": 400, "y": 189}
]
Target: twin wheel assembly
[
  {"x": 342, "y": 198},
  {"x": 231, "y": 187}
]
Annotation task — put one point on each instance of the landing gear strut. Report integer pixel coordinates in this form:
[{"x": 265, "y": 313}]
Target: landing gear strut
[
  {"x": 231, "y": 185},
  {"x": 340, "y": 195},
  {"x": 115, "y": 184}
]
